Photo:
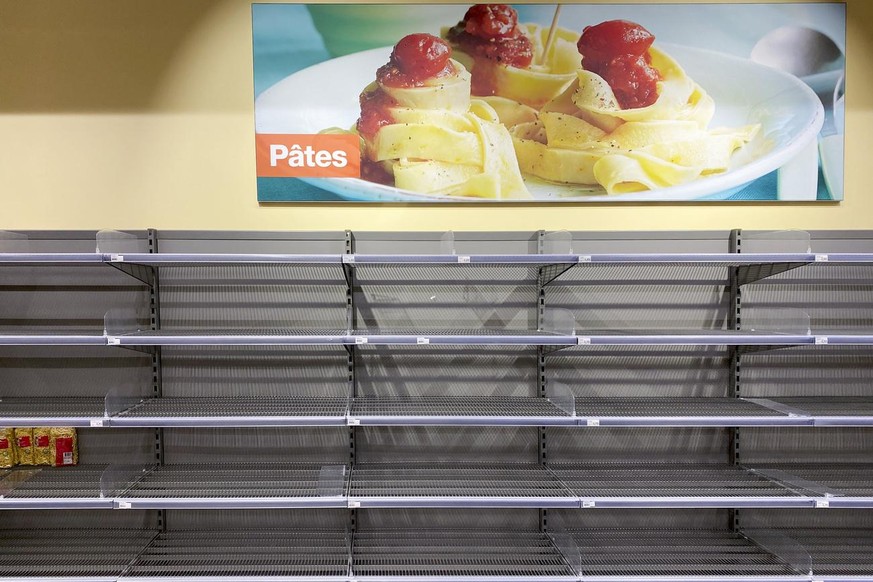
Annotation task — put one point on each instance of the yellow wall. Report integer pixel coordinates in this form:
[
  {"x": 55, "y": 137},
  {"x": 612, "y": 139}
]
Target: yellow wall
[{"x": 131, "y": 114}]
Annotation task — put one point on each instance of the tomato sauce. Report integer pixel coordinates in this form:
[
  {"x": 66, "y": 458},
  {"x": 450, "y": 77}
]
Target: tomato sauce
[
  {"x": 490, "y": 34},
  {"x": 375, "y": 113},
  {"x": 618, "y": 51}
]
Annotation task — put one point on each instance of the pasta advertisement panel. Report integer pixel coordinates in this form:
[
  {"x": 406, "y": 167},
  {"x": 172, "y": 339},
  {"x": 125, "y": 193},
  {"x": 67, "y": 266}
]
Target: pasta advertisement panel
[{"x": 544, "y": 104}]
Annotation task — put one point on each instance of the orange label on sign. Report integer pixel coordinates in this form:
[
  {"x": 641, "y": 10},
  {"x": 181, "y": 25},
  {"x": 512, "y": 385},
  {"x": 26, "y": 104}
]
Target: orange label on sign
[{"x": 284, "y": 155}]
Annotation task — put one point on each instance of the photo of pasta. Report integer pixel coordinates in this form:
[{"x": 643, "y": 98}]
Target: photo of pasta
[{"x": 523, "y": 103}]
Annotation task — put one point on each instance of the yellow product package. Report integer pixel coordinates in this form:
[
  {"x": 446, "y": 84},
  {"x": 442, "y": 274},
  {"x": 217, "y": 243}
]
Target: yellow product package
[
  {"x": 24, "y": 445},
  {"x": 42, "y": 445},
  {"x": 64, "y": 446},
  {"x": 7, "y": 448}
]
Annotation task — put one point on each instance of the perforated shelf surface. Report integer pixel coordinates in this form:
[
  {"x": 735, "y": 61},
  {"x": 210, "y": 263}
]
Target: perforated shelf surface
[
  {"x": 236, "y": 411},
  {"x": 53, "y": 488},
  {"x": 252, "y": 553},
  {"x": 838, "y": 553},
  {"x": 240, "y": 486},
  {"x": 673, "y": 484},
  {"x": 844, "y": 484},
  {"x": 606, "y": 554},
  {"x": 623, "y": 553},
  {"x": 464, "y": 484},
  {"x": 466, "y": 410},
  {"x": 51, "y": 411},
  {"x": 443, "y": 554},
  {"x": 421, "y": 484},
  {"x": 87, "y": 553},
  {"x": 435, "y": 410}
]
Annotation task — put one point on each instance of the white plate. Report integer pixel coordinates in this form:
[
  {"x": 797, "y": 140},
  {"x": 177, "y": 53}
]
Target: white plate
[{"x": 790, "y": 114}]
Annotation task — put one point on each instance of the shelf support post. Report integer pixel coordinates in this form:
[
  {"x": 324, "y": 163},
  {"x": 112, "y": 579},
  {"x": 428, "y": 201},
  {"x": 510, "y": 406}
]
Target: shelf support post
[
  {"x": 541, "y": 362},
  {"x": 351, "y": 324},
  {"x": 735, "y": 280},
  {"x": 157, "y": 380}
]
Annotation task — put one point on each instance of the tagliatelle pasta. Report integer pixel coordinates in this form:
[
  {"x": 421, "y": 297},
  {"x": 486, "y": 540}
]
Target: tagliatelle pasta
[
  {"x": 584, "y": 135},
  {"x": 425, "y": 134},
  {"x": 533, "y": 84}
]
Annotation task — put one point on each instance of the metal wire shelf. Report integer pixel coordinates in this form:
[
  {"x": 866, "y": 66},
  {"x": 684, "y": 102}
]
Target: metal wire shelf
[
  {"x": 308, "y": 555},
  {"x": 456, "y": 485},
  {"x": 688, "y": 411},
  {"x": 410, "y": 485},
  {"x": 468, "y": 337},
  {"x": 598, "y": 555},
  {"x": 69, "y": 553},
  {"x": 838, "y": 554},
  {"x": 467, "y": 410},
  {"x": 457, "y": 555},
  {"x": 625, "y": 554},
  {"x": 433, "y": 411},
  {"x": 239, "y": 487},
  {"x": 842, "y": 484},
  {"x": 236, "y": 411},
  {"x": 52, "y": 411},
  {"x": 53, "y": 488},
  {"x": 831, "y": 411},
  {"x": 674, "y": 485},
  {"x": 66, "y": 259}
]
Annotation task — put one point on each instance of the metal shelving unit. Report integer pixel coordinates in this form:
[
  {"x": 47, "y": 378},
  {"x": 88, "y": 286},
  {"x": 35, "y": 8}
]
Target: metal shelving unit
[{"x": 390, "y": 315}]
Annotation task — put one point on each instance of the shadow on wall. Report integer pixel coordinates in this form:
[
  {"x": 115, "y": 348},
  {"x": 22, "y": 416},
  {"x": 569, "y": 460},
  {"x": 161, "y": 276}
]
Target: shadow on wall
[{"x": 124, "y": 55}]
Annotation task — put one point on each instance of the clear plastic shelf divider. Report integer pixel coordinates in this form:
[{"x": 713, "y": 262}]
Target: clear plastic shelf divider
[
  {"x": 115, "y": 242},
  {"x": 559, "y": 322},
  {"x": 120, "y": 322},
  {"x": 795, "y": 483},
  {"x": 116, "y": 479},
  {"x": 560, "y": 395},
  {"x": 565, "y": 544},
  {"x": 559, "y": 242},
  {"x": 782, "y": 241},
  {"x": 120, "y": 399},
  {"x": 791, "y": 552},
  {"x": 447, "y": 243},
  {"x": 331, "y": 481},
  {"x": 13, "y": 242},
  {"x": 14, "y": 479},
  {"x": 777, "y": 320}
]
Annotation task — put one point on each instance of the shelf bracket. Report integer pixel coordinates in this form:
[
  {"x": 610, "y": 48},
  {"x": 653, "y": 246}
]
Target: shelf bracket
[
  {"x": 143, "y": 273},
  {"x": 548, "y": 273},
  {"x": 750, "y": 273}
]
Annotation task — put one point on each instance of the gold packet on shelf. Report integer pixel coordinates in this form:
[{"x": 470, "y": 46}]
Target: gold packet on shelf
[
  {"x": 7, "y": 448},
  {"x": 42, "y": 446},
  {"x": 64, "y": 446},
  {"x": 24, "y": 445}
]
